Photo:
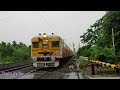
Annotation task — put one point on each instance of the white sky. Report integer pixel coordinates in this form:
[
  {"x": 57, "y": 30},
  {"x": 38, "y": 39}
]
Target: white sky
[{"x": 21, "y": 26}]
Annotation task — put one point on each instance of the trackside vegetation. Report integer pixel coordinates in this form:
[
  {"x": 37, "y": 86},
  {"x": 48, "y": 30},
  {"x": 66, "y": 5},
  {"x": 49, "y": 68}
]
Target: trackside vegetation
[
  {"x": 83, "y": 63},
  {"x": 98, "y": 39},
  {"x": 14, "y": 52}
]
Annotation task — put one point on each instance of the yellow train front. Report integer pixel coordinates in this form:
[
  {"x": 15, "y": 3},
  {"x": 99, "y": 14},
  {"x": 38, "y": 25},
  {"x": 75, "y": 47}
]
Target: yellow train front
[{"x": 49, "y": 50}]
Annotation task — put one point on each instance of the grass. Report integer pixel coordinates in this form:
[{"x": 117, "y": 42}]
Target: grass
[
  {"x": 106, "y": 73},
  {"x": 83, "y": 63},
  {"x": 8, "y": 60},
  {"x": 99, "y": 72}
]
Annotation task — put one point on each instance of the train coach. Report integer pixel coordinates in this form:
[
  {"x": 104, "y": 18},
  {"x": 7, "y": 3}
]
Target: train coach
[{"x": 49, "y": 51}]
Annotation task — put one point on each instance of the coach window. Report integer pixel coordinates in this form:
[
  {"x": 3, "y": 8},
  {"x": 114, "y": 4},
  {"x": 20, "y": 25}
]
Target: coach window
[
  {"x": 35, "y": 44},
  {"x": 55, "y": 43}
]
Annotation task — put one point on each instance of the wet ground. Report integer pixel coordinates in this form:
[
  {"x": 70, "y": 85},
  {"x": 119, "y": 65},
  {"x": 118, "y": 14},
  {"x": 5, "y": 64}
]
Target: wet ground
[
  {"x": 101, "y": 73},
  {"x": 73, "y": 75},
  {"x": 68, "y": 71},
  {"x": 55, "y": 75}
]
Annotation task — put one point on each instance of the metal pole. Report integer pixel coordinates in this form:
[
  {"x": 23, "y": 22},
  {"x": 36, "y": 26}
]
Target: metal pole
[
  {"x": 73, "y": 48},
  {"x": 113, "y": 40},
  {"x": 97, "y": 65},
  {"x": 79, "y": 48},
  {"x": 93, "y": 69}
]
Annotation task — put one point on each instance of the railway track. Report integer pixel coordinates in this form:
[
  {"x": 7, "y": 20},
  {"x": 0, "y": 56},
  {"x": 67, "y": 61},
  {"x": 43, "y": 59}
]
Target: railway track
[
  {"x": 29, "y": 72},
  {"x": 51, "y": 72},
  {"x": 16, "y": 71},
  {"x": 15, "y": 68},
  {"x": 59, "y": 73}
]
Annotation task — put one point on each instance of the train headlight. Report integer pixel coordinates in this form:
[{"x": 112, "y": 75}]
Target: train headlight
[
  {"x": 44, "y": 35},
  {"x": 34, "y": 58}
]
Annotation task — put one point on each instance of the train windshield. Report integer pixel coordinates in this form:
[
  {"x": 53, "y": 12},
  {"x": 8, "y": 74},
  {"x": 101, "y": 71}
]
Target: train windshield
[
  {"x": 45, "y": 45},
  {"x": 55, "y": 43},
  {"x": 35, "y": 44}
]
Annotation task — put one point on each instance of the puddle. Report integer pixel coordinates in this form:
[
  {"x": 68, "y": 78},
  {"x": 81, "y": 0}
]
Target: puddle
[
  {"x": 7, "y": 77},
  {"x": 71, "y": 75},
  {"x": 27, "y": 76}
]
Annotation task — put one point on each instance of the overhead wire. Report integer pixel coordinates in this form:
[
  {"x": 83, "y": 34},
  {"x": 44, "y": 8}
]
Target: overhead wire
[
  {"x": 46, "y": 21},
  {"x": 53, "y": 25}
]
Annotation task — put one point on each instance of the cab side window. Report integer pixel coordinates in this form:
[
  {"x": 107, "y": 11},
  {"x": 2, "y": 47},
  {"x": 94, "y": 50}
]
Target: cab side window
[
  {"x": 35, "y": 44},
  {"x": 55, "y": 43}
]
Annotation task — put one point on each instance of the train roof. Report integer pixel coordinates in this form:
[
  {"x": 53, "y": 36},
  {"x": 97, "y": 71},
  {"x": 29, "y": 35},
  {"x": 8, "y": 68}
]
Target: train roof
[{"x": 48, "y": 36}]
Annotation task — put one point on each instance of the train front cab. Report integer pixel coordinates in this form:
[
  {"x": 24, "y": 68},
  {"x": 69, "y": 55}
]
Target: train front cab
[{"x": 46, "y": 53}]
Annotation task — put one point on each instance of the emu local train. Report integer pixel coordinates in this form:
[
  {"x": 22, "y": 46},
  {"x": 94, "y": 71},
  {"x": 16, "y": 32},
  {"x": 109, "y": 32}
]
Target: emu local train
[{"x": 49, "y": 50}]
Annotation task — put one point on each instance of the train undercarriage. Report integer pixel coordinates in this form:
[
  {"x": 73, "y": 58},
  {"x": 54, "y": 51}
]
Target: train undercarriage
[{"x": 50, "y": 63}]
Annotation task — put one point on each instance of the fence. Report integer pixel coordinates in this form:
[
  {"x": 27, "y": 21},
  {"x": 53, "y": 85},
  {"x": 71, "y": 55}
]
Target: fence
[{"x": 112, "y": 66}]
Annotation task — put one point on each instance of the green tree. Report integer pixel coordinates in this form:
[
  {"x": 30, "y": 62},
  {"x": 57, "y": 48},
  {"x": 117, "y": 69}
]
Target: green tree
[
  {"x": 99, "y": 36},
  {"x": 14, "y": 44},
  {"x": 112, "y": 20},
  {"x": 21, "y": 44},
  {"x": 14, "y": 52},
  {"x": 93, "y": 33}
]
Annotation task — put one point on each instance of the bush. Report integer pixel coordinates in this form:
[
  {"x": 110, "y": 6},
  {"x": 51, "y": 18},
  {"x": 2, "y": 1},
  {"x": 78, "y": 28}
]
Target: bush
[
  {"x": 21, "y": 54},
  {"x": 14, "y": 52},
  {"x": 83, "y": 63},
  {"x": 102, "y": 58},
  {"x": 103, "y": 54}
]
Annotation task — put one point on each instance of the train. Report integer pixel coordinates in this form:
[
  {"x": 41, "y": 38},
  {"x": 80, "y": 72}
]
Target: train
[{"x": 49, "y": 50}]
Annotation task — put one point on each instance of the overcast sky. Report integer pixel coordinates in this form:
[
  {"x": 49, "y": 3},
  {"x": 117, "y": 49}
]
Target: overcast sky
[{"x": 21, "y": 26}]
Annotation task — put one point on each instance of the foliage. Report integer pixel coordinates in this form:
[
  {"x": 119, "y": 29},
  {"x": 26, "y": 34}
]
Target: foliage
[
  {"x": 92, "y": 33},
  {"x": 84, "y": 51},
  {"x": 99, "y": 53},
  {"x": 22, "y": 53},
  {"x": 14, "y": 52},
  {"x": 99, "y": 38},
  {"x": 83, "y": 63}
]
